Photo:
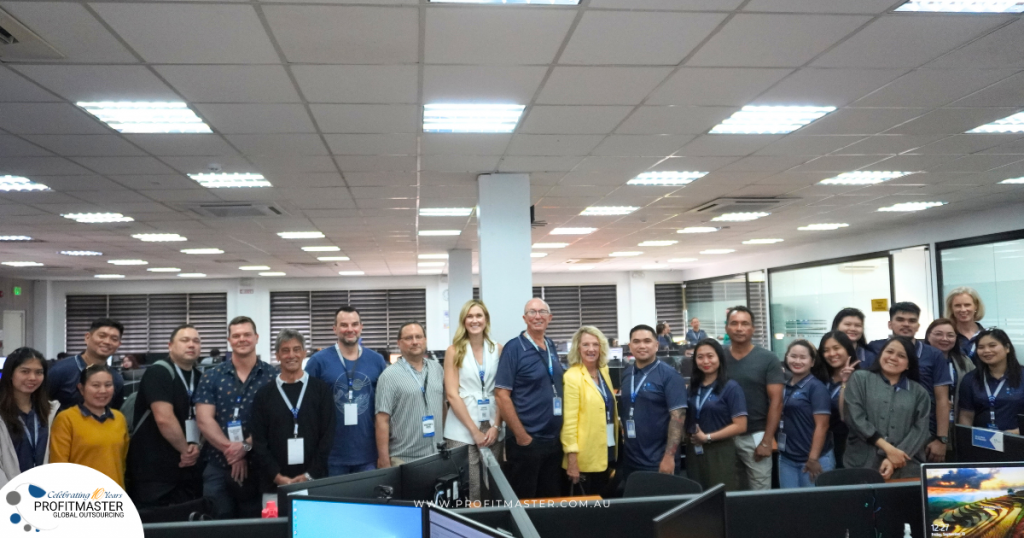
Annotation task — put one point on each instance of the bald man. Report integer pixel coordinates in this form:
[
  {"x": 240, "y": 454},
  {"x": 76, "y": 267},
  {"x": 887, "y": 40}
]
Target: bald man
[{"x": 528, "y": 388}]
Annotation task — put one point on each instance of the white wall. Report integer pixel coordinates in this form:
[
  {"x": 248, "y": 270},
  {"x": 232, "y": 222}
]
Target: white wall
[{"x": 912, "y": 281}]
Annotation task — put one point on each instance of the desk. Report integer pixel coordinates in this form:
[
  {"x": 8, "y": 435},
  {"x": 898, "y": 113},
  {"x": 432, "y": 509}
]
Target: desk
[{"x": 901, "y": 480}]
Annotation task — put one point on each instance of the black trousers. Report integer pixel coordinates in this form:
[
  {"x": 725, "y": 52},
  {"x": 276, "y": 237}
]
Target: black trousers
[
  {"x": 534, "y": 471},
  {"x": 155, "y": 494}
]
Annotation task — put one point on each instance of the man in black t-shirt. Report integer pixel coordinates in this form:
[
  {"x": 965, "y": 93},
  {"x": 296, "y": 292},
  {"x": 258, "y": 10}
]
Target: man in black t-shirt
[{"x": 164, "y": 450}]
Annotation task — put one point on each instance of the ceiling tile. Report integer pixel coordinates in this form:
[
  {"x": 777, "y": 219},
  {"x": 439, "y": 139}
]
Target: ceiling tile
[
  {"x": 12, "y": 146},
  {"x": 345, "y": 34},
  {"x": 600, "y": 85},
  {"x": 641, "y": 145},
  {"x": 674, "y": 120},
  {"x": 86, "y": 145},
  {"x": 366, "y": 118},
  {"x": 827, "y": 87},
  {"x": 41, "y": 166},
  {"x": 526, "y": 144},
  {"x": 863, "y": 121},
  {"x": 560, "y": 163},
  {"x": 964, "y": 144},
  {"x": 293, "y": 164},
  {"x": 375, "y": 163},
  {"x": 257, "y": 118},
  {"x": 48, "y": 118},
  {"x": 932, "y": 87},
  {"x": 641, "y": 38},
  {"x": 631, "y": 166},
  {"x": 808, "y": 145},
  {"x": 125, "y": 165},
  {"x": 110, "y": 196},
  {"x": 465, "y": 143},
  {"x": 191, "y": 33},
  {"x": 683, "y": 5},
  {"x": 481, "y": 83},
  {"x": 999, "y": 49},
  {"x": 888, "y": 144},
  {"x": 726, "y": 145},
  {"x": 275, "y": 144},
  {"x": 483, "y": 35},
  {"x": 715, "y": 86},
  {"x": 175, "y": 144},
  {"x": 573, "y": 119},
  {"x": 461, "y": 163},
  {"x": 1004, "y": 93},
  {"x": 357, "y": 83},
  {"x": 363, "y": 179},
  {"x": 372, "y": 144},
  {"x": 231, "y": 83},
  {"x": 198, "y": 164},
  {"x": 952, "y": 120},
  {"x": 15, "y": 88},
  {"x": 72, "y": 30},
  {"x": 100, "y": 82},
  {"x": 820, "y": 6}
]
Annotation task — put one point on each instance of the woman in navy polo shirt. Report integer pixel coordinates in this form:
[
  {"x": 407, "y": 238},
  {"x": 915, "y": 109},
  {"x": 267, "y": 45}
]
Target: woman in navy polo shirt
[
  {"x": 718, "y": 412},
  {"x": 941, "y": 335},
  {"x": 805, "y": 448},
  {"x": 993, "y": 395},
  {"x": 838, "y": 352},
  {"x": 851, "y": 322}
]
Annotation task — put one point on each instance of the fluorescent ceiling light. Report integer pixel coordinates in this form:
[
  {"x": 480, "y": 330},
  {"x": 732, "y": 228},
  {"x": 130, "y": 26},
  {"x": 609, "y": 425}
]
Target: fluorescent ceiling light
[
  {"x": 164, "y": 270},
  {"x": 142, "y": 117},
  {"x": 538, "y": 254},
  {"x": 108, "y": 276},
  {"x": 18, "y": 183},
  {"x": 608, "y": 210},
  {"x": 231, "y": 181},
  {"x": 682, "y": 260},
  {"x": 550, "y": 245},
  {"x": 572, "y": 231},
  {"x": 666, "y": 179},
  {"x": 192, "y": 275},
  {"x": 97, "y": 218},
  {"x": 762, "y": 241},
  {"x": 531, "y": 2},
  {"x": 1011, "y": 124},
  {"x": 718, "y": 251},
  {"x": 300, "y": 235},
  {"x": 446, "y": 211},
  {"x": 333, "y": 258},
  {"x": 964, "y": 6},
  {"x": 321, "y": 249},
  {"x": 657, "y": 243},
  {"x": 430, "y": 264},
  {"x": 15, "y": 238},
  {"x": 471, "y": 118},
  {"x": 23, "y": 264},
  {"x": 863, "y": 178},
  {"x": 429, "y": 272},
  {"x": 624, "y": 254},
  {"x": 128, "y": 262},
  {"x": 822, "y": 227},
  {"x": 159, "y": 238},
  {"x": 698, "y": 230},
  {"x": 429, "y": 233},
  {"x": 911, "y": 206},
  {"x": 202, "y": 251},
  {"x": 433, "y": 256},
  {"x": 351, "y": 273},
  {"x": 255, "y": 268},
  {"x": 739, "y": 217},
  {"x": 274, "y": 273},
  {"x": 770, "y": 119},
  {"x": 1013, "y": 181},
  {"x": 81, "y": 253}
]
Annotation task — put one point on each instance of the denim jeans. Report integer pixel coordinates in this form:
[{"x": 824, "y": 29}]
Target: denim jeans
[
  {"x": 791, "y": 473},
  {"x": 338, "y": 470},
  {"x": 225, "y": 505}
]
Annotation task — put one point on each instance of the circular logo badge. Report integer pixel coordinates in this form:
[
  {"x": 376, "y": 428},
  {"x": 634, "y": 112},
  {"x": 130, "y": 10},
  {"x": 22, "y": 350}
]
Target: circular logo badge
[{"x": 65, "y": 499}]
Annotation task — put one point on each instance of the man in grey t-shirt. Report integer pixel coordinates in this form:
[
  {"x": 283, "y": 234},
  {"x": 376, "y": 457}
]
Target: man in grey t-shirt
[{"x": 759, "y": 373}]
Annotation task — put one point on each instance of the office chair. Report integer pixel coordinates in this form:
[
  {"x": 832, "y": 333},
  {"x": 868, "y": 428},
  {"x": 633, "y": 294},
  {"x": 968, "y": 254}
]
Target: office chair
[
  {"x": 849, "y": 477},
  {"x": 651, "y": 484}
]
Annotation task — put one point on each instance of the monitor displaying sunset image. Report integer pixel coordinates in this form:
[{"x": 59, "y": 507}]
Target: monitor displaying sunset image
[{"x": 974, "y": 502}]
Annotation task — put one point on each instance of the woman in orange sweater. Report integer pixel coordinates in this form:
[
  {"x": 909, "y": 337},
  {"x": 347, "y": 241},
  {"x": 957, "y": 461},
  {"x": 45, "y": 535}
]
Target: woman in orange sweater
[{"x": 91, "y": 433}]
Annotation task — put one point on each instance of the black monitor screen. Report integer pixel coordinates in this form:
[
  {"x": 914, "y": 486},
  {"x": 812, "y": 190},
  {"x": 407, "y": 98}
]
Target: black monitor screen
[
  {"x": 973, "y": 500},
  {"x": 701, "y": 517},
  {"x": 445, "y": 524},
  {"x": 322, "y": 518}
]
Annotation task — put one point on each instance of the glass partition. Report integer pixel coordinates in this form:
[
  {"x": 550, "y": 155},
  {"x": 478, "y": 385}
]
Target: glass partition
[
  {"x": 994, "y": 269},
  {"x": 708, "y": 300}
]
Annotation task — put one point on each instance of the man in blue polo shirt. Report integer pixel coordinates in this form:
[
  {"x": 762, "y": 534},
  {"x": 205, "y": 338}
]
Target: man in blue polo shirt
[
  {"x": 695, "y": 334},
  {"x": 352, "y": 372},
  {"x": 653, "y": 402},
  {"x": 528, "y": 389},
  {"x": 102, "y": 341},
  {"x": 904, "y": 320}
]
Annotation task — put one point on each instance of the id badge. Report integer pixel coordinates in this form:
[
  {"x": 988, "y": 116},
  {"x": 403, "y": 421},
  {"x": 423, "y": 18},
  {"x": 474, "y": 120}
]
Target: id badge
[
  {"x": 782, "y": 442},
  {"x": 191, "y": 431},
  {"x": 296, "y": 451},
  {"x": 351, "y": 414},
  {"x": 610, "y": 428},
  {"x": 557, "y": 403},
  {"x": 235, "y": 432},
  {"x": 428, "y": 426},
  {"x": 631, "y": 429},
  {"x": 483, "y": 410},
  {"x": 698, "y": 450},
  {"x": 782, "y": 425}
]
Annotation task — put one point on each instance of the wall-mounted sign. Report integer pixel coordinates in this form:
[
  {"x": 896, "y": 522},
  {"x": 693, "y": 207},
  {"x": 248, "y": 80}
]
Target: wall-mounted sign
[{"x": 879, "y": 305}]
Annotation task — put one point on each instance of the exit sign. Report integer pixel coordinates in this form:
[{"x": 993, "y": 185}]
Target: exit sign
[{"x": 17, "y": 290}]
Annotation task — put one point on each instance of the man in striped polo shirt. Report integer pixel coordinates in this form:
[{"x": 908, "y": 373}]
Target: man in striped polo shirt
[{"x": 410, "y": 402}]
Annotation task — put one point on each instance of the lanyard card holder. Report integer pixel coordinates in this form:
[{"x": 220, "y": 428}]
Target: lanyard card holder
[
  {"x": 428, "y": 426},
  {"x": 483, "y": 409},
  {"x": 296, "y": 451}
]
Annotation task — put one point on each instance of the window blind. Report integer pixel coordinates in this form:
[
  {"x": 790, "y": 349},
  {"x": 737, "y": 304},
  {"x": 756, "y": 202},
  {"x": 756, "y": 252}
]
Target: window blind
[{"x": 668, "y": 303}]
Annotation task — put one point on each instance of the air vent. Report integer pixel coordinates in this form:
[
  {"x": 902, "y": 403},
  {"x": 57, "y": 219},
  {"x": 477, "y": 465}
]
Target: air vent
[
  {"x": 729, "y": 205},
  {"x": 586, "y": 261},
  {"x": 19, "y": 44},
  {"x": 235, "y": 210}
]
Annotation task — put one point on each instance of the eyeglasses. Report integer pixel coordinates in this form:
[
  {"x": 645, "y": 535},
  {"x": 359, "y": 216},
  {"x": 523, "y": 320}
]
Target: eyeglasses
[
  {"x": 414, "y": 337},
  {"x": 535, "y": 313}
]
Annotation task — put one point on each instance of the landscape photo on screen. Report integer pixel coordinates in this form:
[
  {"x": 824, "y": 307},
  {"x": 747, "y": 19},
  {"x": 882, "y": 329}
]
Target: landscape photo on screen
[{"x": 975, "y": 502}]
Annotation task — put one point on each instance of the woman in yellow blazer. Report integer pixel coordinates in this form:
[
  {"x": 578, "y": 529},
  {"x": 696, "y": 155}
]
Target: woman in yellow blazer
[{"x": 591, "y": 418}]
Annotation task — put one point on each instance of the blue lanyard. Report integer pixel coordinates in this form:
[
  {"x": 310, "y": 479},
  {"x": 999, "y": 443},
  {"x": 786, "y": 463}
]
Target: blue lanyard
[
  {"x": 788, "y": 393},
  {"x": 700, "y": 403},
  {"x": 348, "y": 375},
  {"x": 298, "y": 404},
  {"x": 605, "y": 395},
  {"x": 482, "y": 372},
  {"x": 191, "y": 382},
  {"x": 426, "y": 374},
  {"x": 633, "y": 391},
  {"x": 33, "y": 441},
  {"x": 551, "y": 364},
  {"x": 835, "y": 391},
  {"x": 992, "y": 398}
]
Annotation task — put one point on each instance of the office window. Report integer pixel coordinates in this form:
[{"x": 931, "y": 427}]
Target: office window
[
  {"x": 148, "y": 319},
  {"x": 575, "y": 306},
  {"x": 381, "y": 311},
  {"x": 668, "y": 303},
  {"x": 708, "y": 301},
  {"x": 993, "y": 269}
]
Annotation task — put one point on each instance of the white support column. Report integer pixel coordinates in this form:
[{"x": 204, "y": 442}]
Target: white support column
[
  {"x": 506, "y": 282},
  {"x": 460, "y": 285}
]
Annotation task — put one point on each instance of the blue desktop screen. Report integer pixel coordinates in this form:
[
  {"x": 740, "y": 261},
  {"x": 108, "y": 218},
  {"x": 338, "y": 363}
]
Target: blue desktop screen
[{"x": 316, "y": 519}]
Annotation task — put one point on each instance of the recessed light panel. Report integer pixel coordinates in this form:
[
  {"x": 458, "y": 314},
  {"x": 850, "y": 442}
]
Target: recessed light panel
[
  {"x": 911, "y": 206},
  {"x": 666, "y": 179},
  {"x": 762, "y": 241},
  {"x": 657, "y": 243},
  {"x": 351, "y": 273},
  {"x": 1013, "y": 181},
  {"x": 300, "y": 235},
  {"x": 321, "y": 249},
  {"x": 128, "y": 262},
  {"x": 770, "y": 119},
  {"x": 231, "y": 181},
  {"x": 273, "y": 273},
  {"x": 255, "y": 268},
  {"x": 572, "y": 231},
  {"x": 824, "y": 227},
  {"x": 18, "y": 183},
  {"x": 142, "y": 117},
  {"x": 192, "y": 275},
  {"x": 202, "y": 251},
  {"x": 430, "y": 264},
  {"x": 964, "y": 6},
  {"x": 159, "y": 238},
  {"x": 1011, "y": 124},
  {"x": 333, "y": 258},
  {"x": 862, "y": 178},
  {"x": 429, "y": 233},
  {"x": 718, "y": 251},
  {"x": 15, "y": 238},
  {"x": 624, "y": 254},
  {"x": 550, "y": 245},
  {"x": 446, "y": 211},
  {"x": 682, "y": 260},
  {"x": 471, "y": 118},
  {"x": 108, "y": 276},
  {"x": 608, "y": 210},
  {"x": 429, "y": 272},
  {"x": 164, "y": 269},
  {"x": 739, "y": 217},
  {"x": 538, "y": 254},
  {"x": 97, "y": 218},
  {"x": 698, "y": 230},
  {"x": 23, "y": 264},
  {"x": 81, "y": 253},
  {"x": 433, "y": 256}
]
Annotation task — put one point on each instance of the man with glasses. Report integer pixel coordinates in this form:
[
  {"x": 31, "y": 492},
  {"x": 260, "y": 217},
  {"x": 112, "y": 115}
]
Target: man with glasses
[
  {"x": 410, "y": 402},
  {"x": 528, "y": 389}
]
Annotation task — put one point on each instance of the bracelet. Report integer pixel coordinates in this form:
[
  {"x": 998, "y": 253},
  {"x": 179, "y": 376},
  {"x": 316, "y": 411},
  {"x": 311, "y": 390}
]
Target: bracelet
[{"x": 708, "y": 436}]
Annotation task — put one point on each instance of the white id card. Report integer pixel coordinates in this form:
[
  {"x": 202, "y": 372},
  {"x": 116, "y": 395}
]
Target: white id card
[
  {"x": 235, "y": 432},
  {"x": 191, "y": 431},
  {"x": 483, "y": 410},
  {"x": 351, "y": 414},
  {"x": 296, "y": 451},
  {"x": 698, "y": 450},
  {"x": 631, "y": 429},
  {"x": 758, "y": 437},
  {"x": 781, "y": 438},
  {"x": 610, "y": 428},
  {"x": 428, "y": 426},
  {"x": 558, "y": 406}
]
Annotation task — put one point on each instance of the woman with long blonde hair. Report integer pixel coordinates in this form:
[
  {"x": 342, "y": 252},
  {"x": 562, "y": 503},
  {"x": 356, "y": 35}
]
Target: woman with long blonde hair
[{"x": 470, "y": 365}]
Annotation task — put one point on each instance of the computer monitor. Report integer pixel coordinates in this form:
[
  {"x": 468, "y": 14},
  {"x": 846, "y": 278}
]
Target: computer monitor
[
  {"x": 615, "y": 354},
  {"x": 419, "y": 477},
  {"x": 973, "y": 445},
  {"x": 702, "y": 517},
  {"x": 972, "y": 500},
  {"x": 443, "y": 523},
  {"x": 319, "y": 517}
]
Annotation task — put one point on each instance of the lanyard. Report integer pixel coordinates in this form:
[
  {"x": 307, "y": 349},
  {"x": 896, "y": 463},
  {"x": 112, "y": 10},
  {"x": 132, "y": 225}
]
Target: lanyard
[
  {"x": 426, "y": 377},
  {"x": 191, "y": 381},
  {"x": 788, "y": 393},
  {"x": 348, "y": 375},
  {"x": 34, "y": 440},
  {"x": 700, "y": 403},
  {"x": 835, "y": 391},
  {"x": 551, "y": 365},
  {"x": 992, "y": 397},
  {"x": 633, "y": 391},
  {"x": 298, "y": 405},
  {"x": 482, "y": 372},
  {"x": 604, "y": 395},
  {"x": 80, "y": 362}
]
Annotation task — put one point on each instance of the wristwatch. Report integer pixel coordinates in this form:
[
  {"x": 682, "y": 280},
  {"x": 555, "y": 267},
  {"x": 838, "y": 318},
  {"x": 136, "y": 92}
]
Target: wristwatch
[
  {"x": 247, "y": 446},
  {"x": 307, "y": 476},
  {"x": 944, "y": 439}
]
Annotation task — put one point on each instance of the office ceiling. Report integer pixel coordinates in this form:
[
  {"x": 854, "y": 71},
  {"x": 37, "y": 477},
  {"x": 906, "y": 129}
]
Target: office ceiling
[{"x": 324, "y": 98}]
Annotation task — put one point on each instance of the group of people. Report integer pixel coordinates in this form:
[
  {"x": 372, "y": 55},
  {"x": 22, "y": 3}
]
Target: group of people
[{"x": 245, "y": 426}]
